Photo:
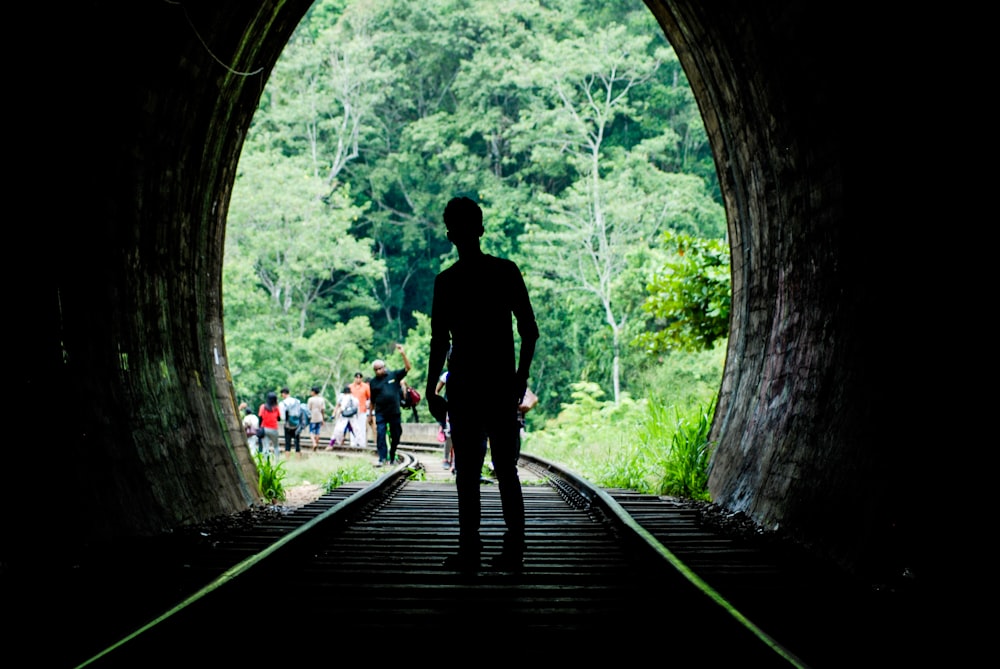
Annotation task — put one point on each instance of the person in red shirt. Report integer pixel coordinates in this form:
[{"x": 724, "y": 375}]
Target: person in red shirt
[{"x": 269, "y": 414}]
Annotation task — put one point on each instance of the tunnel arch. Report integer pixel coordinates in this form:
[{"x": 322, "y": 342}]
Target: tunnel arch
[{"x": 131, "y": 330}]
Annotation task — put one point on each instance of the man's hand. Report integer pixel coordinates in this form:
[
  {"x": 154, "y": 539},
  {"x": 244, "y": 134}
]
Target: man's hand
[
  {"x": 520, "y": 387},
  {"x": 406, "y": 361},
  {"x": 438, "y": 407}
]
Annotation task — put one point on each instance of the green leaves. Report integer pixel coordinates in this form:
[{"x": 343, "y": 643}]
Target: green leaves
[
  {"x": 689, "y": 297},
  {"x": 270, "y": 478}
]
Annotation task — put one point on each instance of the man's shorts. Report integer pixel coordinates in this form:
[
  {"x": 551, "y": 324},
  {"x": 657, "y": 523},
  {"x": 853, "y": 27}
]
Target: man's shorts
[{"x": 314, "y": 428}]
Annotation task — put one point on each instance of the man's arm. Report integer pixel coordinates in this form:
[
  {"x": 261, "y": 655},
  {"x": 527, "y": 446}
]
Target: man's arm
[
  {"x": 440, "y": 338},
  {"x": 438, "y": 354},
  {"x": 527, "y": 329},
  {"x": 406, "y": 361}
]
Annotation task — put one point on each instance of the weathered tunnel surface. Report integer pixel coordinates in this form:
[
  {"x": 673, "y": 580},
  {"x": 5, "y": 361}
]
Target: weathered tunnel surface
[{"x": 127, "y": 135}]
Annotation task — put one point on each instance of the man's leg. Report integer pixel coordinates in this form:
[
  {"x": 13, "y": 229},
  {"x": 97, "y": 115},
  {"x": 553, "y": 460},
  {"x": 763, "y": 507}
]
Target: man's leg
[
  {"x": 469, "y": 445},
  {"x": 395, "y": 436},
  {"x": 380, "y": 442},
  {"x": 504, "y": 449}
]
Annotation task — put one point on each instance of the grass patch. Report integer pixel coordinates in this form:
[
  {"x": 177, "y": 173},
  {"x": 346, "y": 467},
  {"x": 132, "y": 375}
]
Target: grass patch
[
  {"x": 647, "y": 445},
  {"x": 348, "y": 471},
  {"x": 329, "y": 470},
  {"x": 681, "y": 469},
  {"x": 270, "y": 478}
]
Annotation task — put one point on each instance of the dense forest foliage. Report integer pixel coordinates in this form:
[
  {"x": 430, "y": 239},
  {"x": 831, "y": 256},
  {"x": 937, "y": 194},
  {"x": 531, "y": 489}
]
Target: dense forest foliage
[{"x": 571, "y": 123}]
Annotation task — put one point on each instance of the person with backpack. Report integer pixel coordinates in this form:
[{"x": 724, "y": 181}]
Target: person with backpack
[
  {"x": 292, "y": 416},
  {"x": 343, "y": 414},
  {"x": 409, "y": 398},
  {"x": 251, "y": 424}
]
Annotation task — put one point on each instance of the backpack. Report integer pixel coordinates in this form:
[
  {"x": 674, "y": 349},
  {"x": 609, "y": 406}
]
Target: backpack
[
  {"x": 352, "y": 407},
  {"x": 295, "y": 419},
  {"x": 409, "y": 399}
]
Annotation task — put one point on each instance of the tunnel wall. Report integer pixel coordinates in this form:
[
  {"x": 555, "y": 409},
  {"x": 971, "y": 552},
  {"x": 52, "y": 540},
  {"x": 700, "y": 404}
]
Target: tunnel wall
[
  {"x": 807, "y": 438},
  {"x": 145, "y": 130}
]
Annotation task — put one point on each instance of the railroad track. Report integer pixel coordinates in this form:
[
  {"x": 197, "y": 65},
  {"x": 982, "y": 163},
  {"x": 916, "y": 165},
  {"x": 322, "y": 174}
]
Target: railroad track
[{"x": 358, "y": 574}]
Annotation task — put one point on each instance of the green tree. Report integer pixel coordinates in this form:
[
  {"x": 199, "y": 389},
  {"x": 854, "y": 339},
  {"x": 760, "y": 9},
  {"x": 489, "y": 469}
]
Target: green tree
[
  {"x": 300, "y": 245},
  {"x": 593, "y": 224}
]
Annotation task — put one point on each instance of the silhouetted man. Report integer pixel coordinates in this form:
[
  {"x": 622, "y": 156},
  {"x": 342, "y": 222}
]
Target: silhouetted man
[{"x": 471, "y": 316}]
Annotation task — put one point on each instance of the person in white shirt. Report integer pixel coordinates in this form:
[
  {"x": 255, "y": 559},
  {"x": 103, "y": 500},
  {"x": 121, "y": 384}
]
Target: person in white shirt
[
  {"x": 316, "y": 405},
  {"x": 292, "y": 416}
]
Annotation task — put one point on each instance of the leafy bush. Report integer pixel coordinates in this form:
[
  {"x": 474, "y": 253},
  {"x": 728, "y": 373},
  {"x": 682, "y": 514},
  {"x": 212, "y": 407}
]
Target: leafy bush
[
  {"x": 684, "y": 379},
  {"x": 588, "y": 432},
  {"x": 689, "y": 297}
]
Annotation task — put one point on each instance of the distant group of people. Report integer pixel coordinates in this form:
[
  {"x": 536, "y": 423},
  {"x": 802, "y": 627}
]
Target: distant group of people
[
  {"x": 262, "y": 428},
  {"x": 360, "y": 406}
]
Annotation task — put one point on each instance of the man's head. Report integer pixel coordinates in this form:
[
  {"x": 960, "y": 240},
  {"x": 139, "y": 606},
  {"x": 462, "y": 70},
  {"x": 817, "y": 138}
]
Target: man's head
[
  {"x": 358, "y": 377},
  {"x": 379, "y": 367},
  {"x": 284, "y": 392},
  {"x": 315, "y": 390},
  {"x": 463, "y": 219}
]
